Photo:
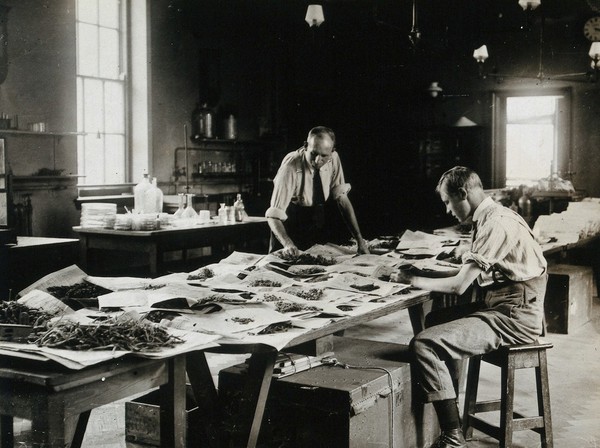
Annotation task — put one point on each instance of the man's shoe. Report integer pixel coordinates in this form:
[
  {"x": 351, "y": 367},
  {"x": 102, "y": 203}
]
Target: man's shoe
[{"x": 451, "y": 439}]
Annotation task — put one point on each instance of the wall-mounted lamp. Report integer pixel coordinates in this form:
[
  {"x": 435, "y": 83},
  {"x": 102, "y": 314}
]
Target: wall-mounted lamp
[
  {"x": 314, "y": 15},
  {"x": 481, "y": 54},
  {"x": 434, "y": 89},
  {"x": 595, "y": 55},
  {"x": 529, "y": 4}
]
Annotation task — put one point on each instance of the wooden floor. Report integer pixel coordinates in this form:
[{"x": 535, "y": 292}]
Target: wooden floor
[{"x": 574, "y": 371}]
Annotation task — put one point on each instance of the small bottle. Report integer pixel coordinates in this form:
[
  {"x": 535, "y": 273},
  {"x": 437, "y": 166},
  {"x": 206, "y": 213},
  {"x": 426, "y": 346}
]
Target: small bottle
[
  {"x": 222, "y": 214},
  {"x": 525, "y": 207},
  {"x": 238, "y": 207}
]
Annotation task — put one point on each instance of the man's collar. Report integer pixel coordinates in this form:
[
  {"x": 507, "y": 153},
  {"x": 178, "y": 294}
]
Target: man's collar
[{"x": 488, "y": 201}]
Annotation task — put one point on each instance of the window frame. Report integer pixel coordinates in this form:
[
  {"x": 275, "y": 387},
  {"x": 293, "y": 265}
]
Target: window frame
[
  {"x": 124, "y": 82},
  {"x": 499, "y": 120}
]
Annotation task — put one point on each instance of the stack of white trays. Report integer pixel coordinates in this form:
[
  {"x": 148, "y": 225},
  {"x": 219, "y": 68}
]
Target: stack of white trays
[{"x": 98, "y": 215}]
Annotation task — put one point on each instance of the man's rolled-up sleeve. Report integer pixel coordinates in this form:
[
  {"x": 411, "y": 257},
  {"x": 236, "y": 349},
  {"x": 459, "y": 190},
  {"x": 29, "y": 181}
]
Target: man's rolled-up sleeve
[
  {"x": 339, "y": 190},
  {"x": 283, "y": 191}
]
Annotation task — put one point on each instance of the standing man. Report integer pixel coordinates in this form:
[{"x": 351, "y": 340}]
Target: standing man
[
  {"x": 306, "y": 178},
  {"x": 510, "y": 273}
]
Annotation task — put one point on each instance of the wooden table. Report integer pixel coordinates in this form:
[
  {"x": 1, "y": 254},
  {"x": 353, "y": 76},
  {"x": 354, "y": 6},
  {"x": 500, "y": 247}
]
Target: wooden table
[
  {"x": 57, "y": 400},
  {"x": 262, "y": 360},
  {"x": 155, "y": 243}
]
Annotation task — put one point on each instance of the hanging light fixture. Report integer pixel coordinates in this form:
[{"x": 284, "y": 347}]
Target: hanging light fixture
[
  {"x": 314, "y": 15},
  {"x": 434, "y": 89},
  {"x": 529, "y": 4},
  {"x": 481, "y": 54}
]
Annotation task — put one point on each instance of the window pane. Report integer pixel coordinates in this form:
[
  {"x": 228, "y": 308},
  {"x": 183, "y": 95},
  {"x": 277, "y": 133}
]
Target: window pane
[
  {"x": 115, "y": 158},
  {"x": 109, "y": 53},
  {"x": 80, "y": 115},
  {"x": 115, "y": 107},
  {"x": 527, "y": 108},
  {"x": 87, "y": 50},
  {"x": 529, "y": 154},
  {"x": 93, "y": 106},
  {"x": 94, "y": 161},
  {"x": 87, "y": 10},
  {"x": 109, "y": 13}
]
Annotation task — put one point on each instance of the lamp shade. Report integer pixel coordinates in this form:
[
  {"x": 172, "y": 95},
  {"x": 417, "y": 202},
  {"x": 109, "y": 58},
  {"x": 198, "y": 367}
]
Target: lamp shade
[
  {"x": 314, "y": 15},
  {"x": 481, "y": 54},
  {"x": 434, "y": 89},
  {"x": 529, "y": 4},
  {"x": 464, "y": 122},
  {"x": 595, "y": 50}
]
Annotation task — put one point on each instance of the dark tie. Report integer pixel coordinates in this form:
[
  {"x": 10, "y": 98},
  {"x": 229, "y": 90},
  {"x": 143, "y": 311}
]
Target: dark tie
[
  {"x": 318, "y": 196},
  {"x": 474, "y": 231}
]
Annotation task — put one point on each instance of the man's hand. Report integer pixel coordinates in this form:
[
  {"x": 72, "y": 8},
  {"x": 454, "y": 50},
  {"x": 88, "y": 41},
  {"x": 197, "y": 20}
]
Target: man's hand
[
  {"x": 289, "y": 251},
  {"x": 363, "y": 247}
]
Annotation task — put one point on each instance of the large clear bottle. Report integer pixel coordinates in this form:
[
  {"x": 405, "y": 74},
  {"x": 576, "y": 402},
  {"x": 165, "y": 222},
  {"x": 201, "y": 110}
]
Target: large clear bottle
[
  {"x": 139, "y": 194},
  {"x": 159, "y": 196}
]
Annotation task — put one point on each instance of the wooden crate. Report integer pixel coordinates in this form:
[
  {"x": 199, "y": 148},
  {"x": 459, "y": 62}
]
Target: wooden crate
[
  {"x": 342, "y": 407},
  {"x": 568, "y": 302},
  {"x": 142, "y": 419}
]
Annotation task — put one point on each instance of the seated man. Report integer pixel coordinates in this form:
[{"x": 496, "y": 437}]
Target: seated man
[{"x": 510, "y": 273}]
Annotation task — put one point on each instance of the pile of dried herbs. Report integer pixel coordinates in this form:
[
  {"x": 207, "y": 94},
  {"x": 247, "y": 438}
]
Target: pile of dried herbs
[
  {"x": 82, "y": 290},
  {"x": 311, "y": 294},
  {"x": 202, "y": 274},
  {"x": 311, "y": 259},
  {"x": 292, "y": 307},
  {"x": 111, "y": 334},
  {"x": 15, "y": 313}
]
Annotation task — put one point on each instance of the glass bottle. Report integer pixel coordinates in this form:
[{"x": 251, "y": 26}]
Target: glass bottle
[
  {"x": 222, "y": 214},
  {"x": 179, "y": 211},
  {"x": 189, "y": 211},
  {"x": 238, "y": 207}
]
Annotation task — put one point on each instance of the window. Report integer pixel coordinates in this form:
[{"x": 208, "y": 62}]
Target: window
[
  {"x": 101, "y": 91},
  {"x": 531, "y": 137}
]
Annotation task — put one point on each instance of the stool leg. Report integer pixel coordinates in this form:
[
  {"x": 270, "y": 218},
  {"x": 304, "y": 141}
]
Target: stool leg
[
  {"x": 6, "y": 431},
  {"x": 543, "y": 392},
  {"x": 471, "y": 395},
  {"x": 507, "y": 402}
]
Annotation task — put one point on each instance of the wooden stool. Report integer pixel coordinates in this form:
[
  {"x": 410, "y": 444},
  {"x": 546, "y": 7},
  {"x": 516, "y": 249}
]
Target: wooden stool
[{"x": 510, "y": 358}]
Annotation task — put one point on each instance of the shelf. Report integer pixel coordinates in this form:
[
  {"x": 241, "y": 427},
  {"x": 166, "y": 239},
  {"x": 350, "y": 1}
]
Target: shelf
[
  {"x": 21, "y": 183},
  {"x": 46, "y": 134}
]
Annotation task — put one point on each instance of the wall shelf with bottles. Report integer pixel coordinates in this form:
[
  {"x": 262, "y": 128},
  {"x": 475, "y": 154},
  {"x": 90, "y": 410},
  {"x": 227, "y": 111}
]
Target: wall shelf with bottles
[
  {"x": 39, "y": 134},
  {"x": 216, "y": 161}
]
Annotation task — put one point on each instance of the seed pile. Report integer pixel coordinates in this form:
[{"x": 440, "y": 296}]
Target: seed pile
[
  {"x": 311, "y": 294},
  {"x": 365, "y": 288},
  {"x": 292, "y": 307},
  {"x": 265, "y": 282},
  {"x": 109, "y": 335},
  {"x": 309, "y": 270}
]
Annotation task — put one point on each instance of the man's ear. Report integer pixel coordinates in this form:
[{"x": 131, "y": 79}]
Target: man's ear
[{"x": 462, "y": 193}]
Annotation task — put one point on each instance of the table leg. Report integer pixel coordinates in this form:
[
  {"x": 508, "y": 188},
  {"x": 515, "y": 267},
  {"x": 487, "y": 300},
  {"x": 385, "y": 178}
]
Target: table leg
[
  {"x": 172, "y": 405},
  {"x": 6, "y": 431},
  {"x": 416, "y": 313},
  {"x": 82, "y": 422},
  {"x": 48, "y": 425},
  {"x": 254, "y": 397},
  {"x": 206, "y": 396},
  {"x": 154, "y": 262}
]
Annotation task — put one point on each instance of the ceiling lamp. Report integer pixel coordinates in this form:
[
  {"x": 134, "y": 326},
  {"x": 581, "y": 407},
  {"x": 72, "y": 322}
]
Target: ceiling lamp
[
  {"x": 434, "y": 89},
  {"x": 481, "y": 54},
  {"x": 314, "y": 15},
  {"x": 464, "y": 122},
  {"x": 529, "y": 4}
]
